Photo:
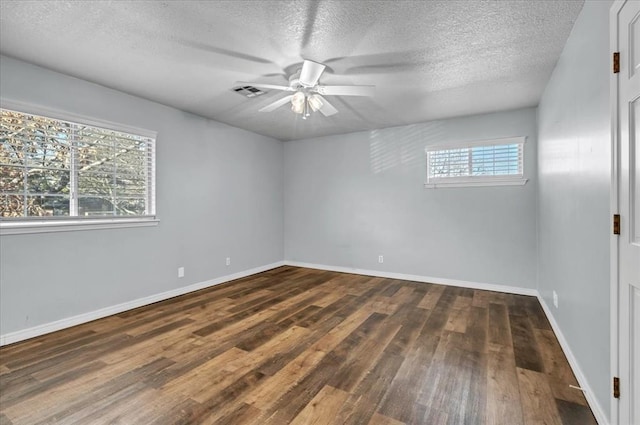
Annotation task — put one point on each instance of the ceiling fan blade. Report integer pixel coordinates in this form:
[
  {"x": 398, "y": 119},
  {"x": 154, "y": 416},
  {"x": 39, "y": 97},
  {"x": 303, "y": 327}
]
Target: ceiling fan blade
[
  {"x": 309, "y": 25},
  {"x": 264, "y": 86},
  {"x": 310, "y": 73},
  {"x": 275, "y": 105},
  {"x": 326, "y": 109},
  {"x": 346, "y": 90},
  {"x": 225, "y": 52}
]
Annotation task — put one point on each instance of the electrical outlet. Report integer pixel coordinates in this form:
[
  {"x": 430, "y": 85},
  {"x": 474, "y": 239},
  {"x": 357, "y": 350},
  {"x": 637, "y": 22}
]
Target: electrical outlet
[
  {"x": 228, "y": 261},
  {"x": 180, "y": 271},
  {"x": 380, "y": 258},
  {"x": 555, "y": 299}
]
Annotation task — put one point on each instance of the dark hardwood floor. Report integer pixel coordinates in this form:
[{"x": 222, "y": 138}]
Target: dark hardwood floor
[{"x": 301, "y": 346}]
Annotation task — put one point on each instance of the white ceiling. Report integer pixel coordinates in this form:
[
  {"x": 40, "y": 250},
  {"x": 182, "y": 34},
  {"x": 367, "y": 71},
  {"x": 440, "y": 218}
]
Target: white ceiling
[{"x": 428, "y": 59}]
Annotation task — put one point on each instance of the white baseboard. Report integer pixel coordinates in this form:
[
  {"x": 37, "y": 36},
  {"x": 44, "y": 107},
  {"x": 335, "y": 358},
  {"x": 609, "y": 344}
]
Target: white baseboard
[
  {"x": 417, "y": 278},
  {"x": 600, "y": 415},
  {"x": 68, "y": 322}
]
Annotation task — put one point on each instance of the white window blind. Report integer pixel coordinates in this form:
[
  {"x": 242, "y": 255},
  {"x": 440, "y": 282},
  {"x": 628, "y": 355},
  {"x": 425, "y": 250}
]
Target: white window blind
[
  {"x": 481, "y": 163},
  {"x": 56, "y": 169}
]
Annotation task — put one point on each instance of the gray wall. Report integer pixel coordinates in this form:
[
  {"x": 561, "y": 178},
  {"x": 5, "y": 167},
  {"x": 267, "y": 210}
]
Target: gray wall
[
  {"x": 574, "y": 155},
  {"x": 352, "y": 197},
  {"x": 220, "y": 193}
]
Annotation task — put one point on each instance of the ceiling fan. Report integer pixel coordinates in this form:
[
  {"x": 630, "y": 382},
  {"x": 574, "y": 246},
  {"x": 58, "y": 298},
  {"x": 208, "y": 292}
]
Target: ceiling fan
[{"x": 308, "y": 94}]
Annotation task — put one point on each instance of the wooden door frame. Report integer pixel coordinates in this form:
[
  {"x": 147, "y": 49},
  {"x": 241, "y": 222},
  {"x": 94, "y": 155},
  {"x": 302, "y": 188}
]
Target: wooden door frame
[{"x": 616, "y": 7}]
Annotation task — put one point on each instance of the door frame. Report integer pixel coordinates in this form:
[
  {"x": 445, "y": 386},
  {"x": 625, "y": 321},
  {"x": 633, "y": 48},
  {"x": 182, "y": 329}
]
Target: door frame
[{"x": 616, "y": 7}]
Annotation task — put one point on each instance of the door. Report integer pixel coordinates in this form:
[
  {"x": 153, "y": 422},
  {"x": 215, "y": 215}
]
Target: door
[{"x": 628, "y": 131}]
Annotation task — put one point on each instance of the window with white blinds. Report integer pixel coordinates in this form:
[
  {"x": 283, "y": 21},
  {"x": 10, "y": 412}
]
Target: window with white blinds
[
  {"x": 57, "y": 169},
  {"x": 479, "y": 163}
]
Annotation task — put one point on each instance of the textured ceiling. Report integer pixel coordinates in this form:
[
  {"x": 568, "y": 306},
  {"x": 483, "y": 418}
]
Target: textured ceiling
[{"x": 428, "y": 59}]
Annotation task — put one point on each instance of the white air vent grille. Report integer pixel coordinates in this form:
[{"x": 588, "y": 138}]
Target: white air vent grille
[{"x": 248, "y": 91}]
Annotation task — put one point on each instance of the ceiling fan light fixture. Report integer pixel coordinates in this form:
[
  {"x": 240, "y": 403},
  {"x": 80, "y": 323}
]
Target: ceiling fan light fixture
[
  {"x": 314, "y": 102},
  {"x": 297, "y": 108},
  {"x": 298, "y": 98},
  {"x": 298, "y": 102}
]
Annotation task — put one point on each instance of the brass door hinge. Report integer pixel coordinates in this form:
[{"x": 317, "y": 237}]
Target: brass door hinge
[
  {"x": 616, "y": 224},
  {"x": 616, "y": 62},
  {"x": 616, "y": 387}
]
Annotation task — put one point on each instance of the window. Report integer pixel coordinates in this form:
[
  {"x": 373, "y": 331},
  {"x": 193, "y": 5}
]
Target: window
[
  {"x": 52, "y": 170},
  {"x": 481, "y": 163}
]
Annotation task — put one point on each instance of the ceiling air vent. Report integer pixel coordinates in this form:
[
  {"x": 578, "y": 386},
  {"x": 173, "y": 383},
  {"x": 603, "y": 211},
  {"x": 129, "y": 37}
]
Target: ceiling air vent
[{"x": 248, "y": 91}]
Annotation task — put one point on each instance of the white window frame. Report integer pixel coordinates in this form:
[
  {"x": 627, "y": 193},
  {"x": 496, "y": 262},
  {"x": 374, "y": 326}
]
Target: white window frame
[
  {"x": 471, "y": 180},
  {"x": 16, "y": 226}
]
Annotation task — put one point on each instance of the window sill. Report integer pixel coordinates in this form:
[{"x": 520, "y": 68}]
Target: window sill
[
  {"x": 479, "y": 183},
  {"x": 48, "y": 226}
]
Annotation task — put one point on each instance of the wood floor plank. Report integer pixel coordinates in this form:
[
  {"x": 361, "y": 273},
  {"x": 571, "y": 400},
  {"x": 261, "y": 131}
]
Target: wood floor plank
[
  {"x": 368, "y": 394},
  {"x": 210, "y": 375},
  {"x": 455, "y": 374},
  {"x": 279, "y": 360},
  {"x": 378, "y": 419},
  {"x": 242, "y": 414},
  {"x": 400, "y": 400},
  {"x": 499, "y": 327},
  {"x": 157, "y": 405},
  {"x": 555, "y": 363},
  {"x": 393, "y": 287},
  {"x": 25, "y": 392},
  {"x": 536, "y": 314},
  {"x": 440, "y": 312},
  {"x": 412, "y": 322},
  {"x": 457, "y": 320},
  {"x": 323, "y": 408},
  {"x": 181, "y": 414},
  {"x": 300, "y": 395},
  {"x": 66, "y": 342},
  {"x": 328, "y": 299},
  {"x": 98, "y": 410},
  {"x": 105, "y": 391},
  {"x": 575, "y": 414},
  {"x": 296, "y": 345},
  {"x": 57, "y": 365},
  {"x": 503, "y": 393},
  {"x": 525, "y": 347},
  {"x": 462, "y": 302},
  {"x": 41, "y": 404},
  {"x": 483, "y": 298},
  {"x": 226, "y": 401},
  {"x": 265, "y": 396},
  {"x": 538, "y": 405},
  {"x": 361, "y": 359},
  {"x": 431, "y": 297},
  {"x": 282, "y": 343}
]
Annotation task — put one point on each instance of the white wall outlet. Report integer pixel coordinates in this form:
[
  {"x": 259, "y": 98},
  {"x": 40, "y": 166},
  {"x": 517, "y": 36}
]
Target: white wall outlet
[
  {"x": 555, "y": 299},
  {"x": 228, "y": 263},
  {"x": 180, "y": 271},
  {"x": 380, "y": 258}
]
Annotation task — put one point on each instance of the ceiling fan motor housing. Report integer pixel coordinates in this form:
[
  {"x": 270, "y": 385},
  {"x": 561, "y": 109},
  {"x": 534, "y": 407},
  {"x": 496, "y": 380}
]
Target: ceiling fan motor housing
[{"x": 294, "y": 80}]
